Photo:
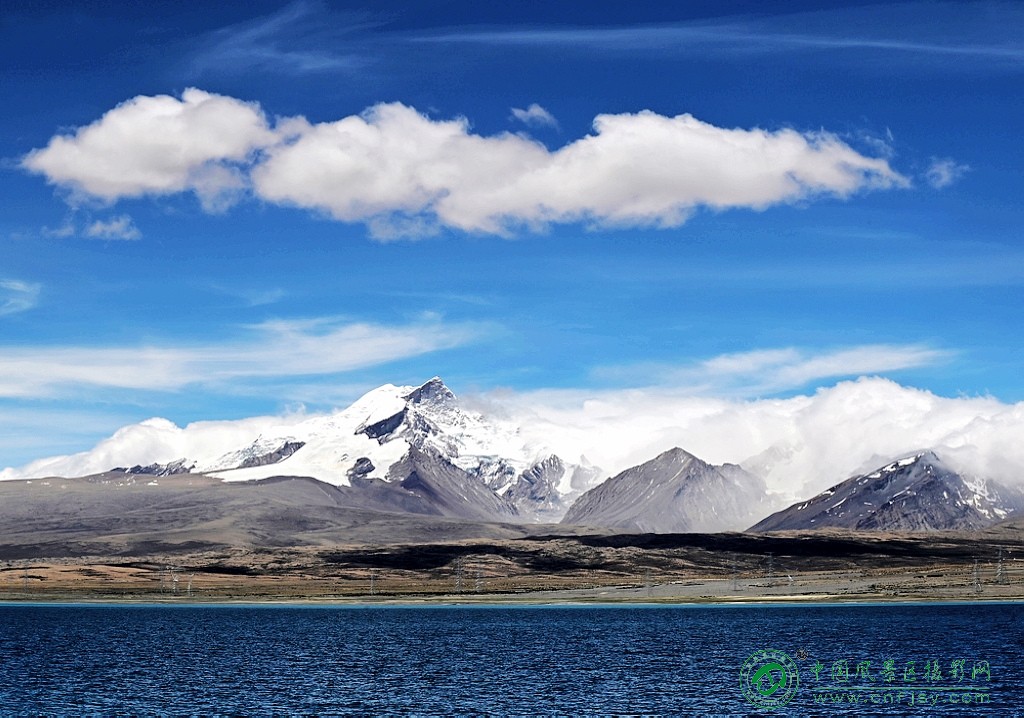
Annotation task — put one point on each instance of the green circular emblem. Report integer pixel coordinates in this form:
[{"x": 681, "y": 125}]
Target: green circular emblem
[{"x": 769, "y": 679}]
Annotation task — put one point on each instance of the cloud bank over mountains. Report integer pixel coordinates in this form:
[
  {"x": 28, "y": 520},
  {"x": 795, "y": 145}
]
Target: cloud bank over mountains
[
  {"x": 801, "y": 445},
  {"x": 402, "y": 172}
]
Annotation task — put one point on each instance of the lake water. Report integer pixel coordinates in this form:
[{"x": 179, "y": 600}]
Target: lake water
[{"x": 880, "y": 660}]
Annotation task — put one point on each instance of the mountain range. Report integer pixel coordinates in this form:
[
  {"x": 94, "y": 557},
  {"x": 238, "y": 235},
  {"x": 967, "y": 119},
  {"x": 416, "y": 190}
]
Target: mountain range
[{"x": 415, "y": 450}]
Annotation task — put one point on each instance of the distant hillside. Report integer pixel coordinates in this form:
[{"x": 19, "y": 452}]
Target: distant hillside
[{"x": 674, "y": 492}]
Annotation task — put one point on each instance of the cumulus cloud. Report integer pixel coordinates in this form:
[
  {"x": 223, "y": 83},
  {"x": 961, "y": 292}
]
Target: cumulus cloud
[
  {"x": 27, "y": 432},
  {"x": 942, "y": 172},
  {"x": 153, "y": 440},
  {"x": 273, "y": 349},
  {"x": 534, "y": 116},
  {"x": 17, "y": 296},
  {"x": 121, "y": 227},
  {"x": 402, "y": 172},
  {"x": 156, "y": 146}
]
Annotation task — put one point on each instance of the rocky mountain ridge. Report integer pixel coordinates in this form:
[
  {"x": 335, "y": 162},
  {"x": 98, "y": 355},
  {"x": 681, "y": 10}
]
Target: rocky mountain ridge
[
  {"x": 417, "y": 450},
  {"x": 914, "y": 493}
]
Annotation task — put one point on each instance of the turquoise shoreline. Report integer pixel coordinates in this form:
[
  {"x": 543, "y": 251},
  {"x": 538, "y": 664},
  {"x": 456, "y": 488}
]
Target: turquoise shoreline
[{"x": 497, "y": 604}]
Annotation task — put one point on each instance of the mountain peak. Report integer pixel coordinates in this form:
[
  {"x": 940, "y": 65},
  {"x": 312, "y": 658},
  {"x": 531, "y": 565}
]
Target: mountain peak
[
  {"x": 673, "y": 492},
  {"x": 433, "y": 390},
  {"x": 915, "y": 493},
  {"x": 918, "y": 461},
  {"x": 676, "y": 453}
]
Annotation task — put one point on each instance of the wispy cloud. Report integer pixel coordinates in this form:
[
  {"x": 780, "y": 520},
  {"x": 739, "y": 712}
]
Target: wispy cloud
[
  {"x": 681, "y": 39},
  {"x": 17, "y": 296},
  {"x": 121, "y": 227},
  {"x": 62, "y": 232},
  {"x": 275, "y": 349},
  {"x": 770, "y": 371},
  {"x": 944, "y": 171},
  {"x": 300, "y": 38},
  {"x": 253, "y": 296},
  {"x": 986, "y": 32},
  {"x": 403, "y": 173},
  {"x": 534, "y": 116}
]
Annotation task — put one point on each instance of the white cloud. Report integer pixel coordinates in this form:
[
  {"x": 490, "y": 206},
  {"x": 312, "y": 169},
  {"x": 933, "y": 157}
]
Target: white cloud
[
  {"x": 28, "y": 432},
  {"x": 156, "y": 146},
  {"x": 404, "y": 173},
  {"x": 791, "y": 368},
  {"x": 121, "y": 227},
  {"x": 637, "y": 169},
  {"x": 766, "y": 371},
  {"x": 943, "y": 172},
  {"x": 802, "y": 445},
  {"x": 153, "y": 440},
  {"x": 534, "y": 116},
  {"x": 62, "y": 232},
  {"x": 17, "y": 296},
  {"x": 275, "y": 349}
]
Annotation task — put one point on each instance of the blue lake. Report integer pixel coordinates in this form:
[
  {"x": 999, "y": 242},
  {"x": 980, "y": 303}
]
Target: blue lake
[{"x": 962, "y": 659}]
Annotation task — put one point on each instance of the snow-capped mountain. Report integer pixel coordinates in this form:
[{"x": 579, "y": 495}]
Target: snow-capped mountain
[
  {"x": 674, "y": 492},
  {"x": 915, "y": 493},
  {"x": 369, "y": 438},
  {"x": 386, "y": 436}
]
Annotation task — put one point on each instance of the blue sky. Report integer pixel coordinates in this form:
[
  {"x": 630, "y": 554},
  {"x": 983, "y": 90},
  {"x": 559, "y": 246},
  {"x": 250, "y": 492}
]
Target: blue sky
[{"x": 843, "y": 201}]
